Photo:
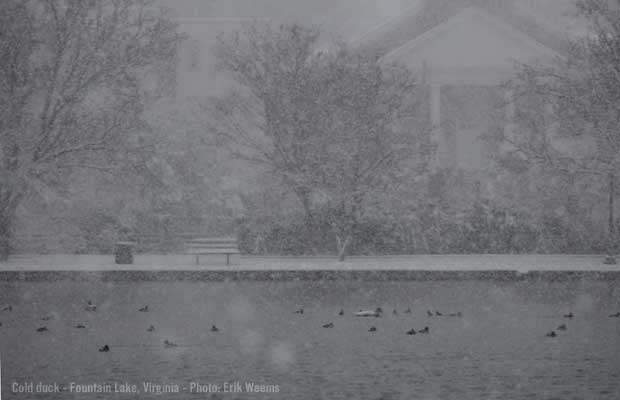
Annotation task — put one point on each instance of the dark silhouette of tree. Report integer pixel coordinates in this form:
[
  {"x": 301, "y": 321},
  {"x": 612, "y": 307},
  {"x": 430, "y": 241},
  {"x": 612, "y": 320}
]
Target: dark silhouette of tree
[
  {"x": 75, "y": 79},
  {"x": 567, "y": 114},
  {"x": 332, "y": 125}
]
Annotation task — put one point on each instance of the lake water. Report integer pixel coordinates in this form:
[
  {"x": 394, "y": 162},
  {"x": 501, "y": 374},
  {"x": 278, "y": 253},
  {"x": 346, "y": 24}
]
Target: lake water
[{"x": 496, "y": 350}]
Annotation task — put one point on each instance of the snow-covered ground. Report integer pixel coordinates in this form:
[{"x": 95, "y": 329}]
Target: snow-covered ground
[{"x": 521, "y": 263}]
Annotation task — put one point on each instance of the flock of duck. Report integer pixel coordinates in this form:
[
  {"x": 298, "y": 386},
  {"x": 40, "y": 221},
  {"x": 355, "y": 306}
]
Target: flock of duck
[
  {"x": 569, "y": 316},
  {"x": 376, "y": 313},
  {"x": 563, "y": 327},
  {"x": 91, "y": 307}
]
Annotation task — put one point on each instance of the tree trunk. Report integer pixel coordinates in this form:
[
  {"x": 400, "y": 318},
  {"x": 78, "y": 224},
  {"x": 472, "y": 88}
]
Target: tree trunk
[
  {"x": 611, "y": 229},
  {"x": 310, "y": 228},
  {"x": 5, "y": 235},
  {"x": 10, "y": 196},
  {"x": 310, "y": 235},
  {"x": 342, "y": 247}
]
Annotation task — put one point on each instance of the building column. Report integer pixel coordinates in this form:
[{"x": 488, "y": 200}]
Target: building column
[
  {"x": 509, "y": 114},
  {"x": 437, "y": 135},
  {"x": 445, "y": 139}
]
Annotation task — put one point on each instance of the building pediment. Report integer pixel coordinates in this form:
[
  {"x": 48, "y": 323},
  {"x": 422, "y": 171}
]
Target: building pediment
[{"x": 473, "y": 46}]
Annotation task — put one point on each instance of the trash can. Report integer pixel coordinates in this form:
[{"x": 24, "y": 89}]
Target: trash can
[{"x": 123, "y": 252}]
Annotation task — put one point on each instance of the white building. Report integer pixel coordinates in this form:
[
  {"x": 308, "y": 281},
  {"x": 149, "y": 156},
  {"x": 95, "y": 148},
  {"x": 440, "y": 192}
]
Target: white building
[{"x": 464, "y": 52}]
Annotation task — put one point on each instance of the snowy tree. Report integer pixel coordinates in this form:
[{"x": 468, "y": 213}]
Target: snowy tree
[
  {"x": 567, "y": 114},
  {"x": 75, "y": 78},
  {"x": 373, "y": 137},
  {"x": 331, "y": 124}
]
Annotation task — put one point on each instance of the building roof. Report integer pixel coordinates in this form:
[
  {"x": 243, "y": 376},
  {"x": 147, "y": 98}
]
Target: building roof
[
  {"x": 425, "y": 15},
  {"x": 473, "y": 47}
]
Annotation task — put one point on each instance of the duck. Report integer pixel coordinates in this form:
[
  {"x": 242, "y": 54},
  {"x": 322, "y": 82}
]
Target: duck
[
  {"x": 394, "y": 312},
  {"x": 411, "y": 332},
  {"x": 300, "y": 311},
  {"x": 90, "y": 306},
  {"x": 369, "y": 313},
  {"x": 168, "y": 343},
  {"x": 7, "y": 308},
  {"x": 42, "y": 329},
  {"x": 372, "y": 329},
  {"x": 329, "y": 325},
  {"x": 551, "y": 334},
  {"x": 437, "y": 313},
  {"x": 144, "y": 309},
  {"x": 104, "y": 349},
  {"x": 80, "y": 326},
  {"x": 562, "y": 327},
  {"x": 616, "y": 315},
  {"x": 47, "y": 318},
  {"x": 456, "y": 314},
  {"x": 569, "y": 315},
  {"x": 408, "y": 311},
  {"x": 341, "y": 312},
  {"x": 429, "y": 313},
  {"x": 151, "y": 328},
  {"x": 214, "y": 329}
]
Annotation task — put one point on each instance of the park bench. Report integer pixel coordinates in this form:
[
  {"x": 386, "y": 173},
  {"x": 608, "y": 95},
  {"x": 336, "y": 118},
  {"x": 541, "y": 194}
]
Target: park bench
[{"x": 206, "y": 246}]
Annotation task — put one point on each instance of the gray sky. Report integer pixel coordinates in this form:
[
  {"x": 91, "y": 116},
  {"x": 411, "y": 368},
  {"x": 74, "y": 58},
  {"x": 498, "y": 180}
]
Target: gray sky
[
  {"x": 346, "y": 18},
  {"x": 339, "y": 16},
  {"x": 342, "y": 17},
  {"x": 308, "y": 8}
]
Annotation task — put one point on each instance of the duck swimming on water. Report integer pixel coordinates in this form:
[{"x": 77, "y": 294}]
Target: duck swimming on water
[
  {"x": 90, "y": 306},
  {"x": 372, "y": 329},
  {"x": 408, "y": 311},
  {"x": 329, "y": 325},
  {"x": 80, "y": 326},
  {"x": 369, "y": 313},
  {"x": 429, "y": 313},
  {"x": 562, "y": 327},
  {"x": 551, "y": 334},
  {"x": 411, "y": 332},
  {"x": 151, "y": 329},
  {"x": 168, "y": 343},
  {"x": 144, "y": 309},
  {"x": 42, "y": 329},
  {"x": 569, "y": 315},
  {"x": 425, "y": 330},
  {"x": 300, "y": 311},
  {"x": 104, "y": 349},
  {"x": 214, "y": 329},
  {"x": 341, "y": 312},
  {"x": 616, "y": 315}
]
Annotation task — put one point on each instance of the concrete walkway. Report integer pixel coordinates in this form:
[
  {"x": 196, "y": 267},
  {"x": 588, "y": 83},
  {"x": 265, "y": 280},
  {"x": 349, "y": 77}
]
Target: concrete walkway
[{"x": 520, "y": 263}]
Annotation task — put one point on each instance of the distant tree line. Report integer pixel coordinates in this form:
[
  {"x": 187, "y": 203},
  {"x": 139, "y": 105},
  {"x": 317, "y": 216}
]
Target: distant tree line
[{"x": 438, "y": 225}]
